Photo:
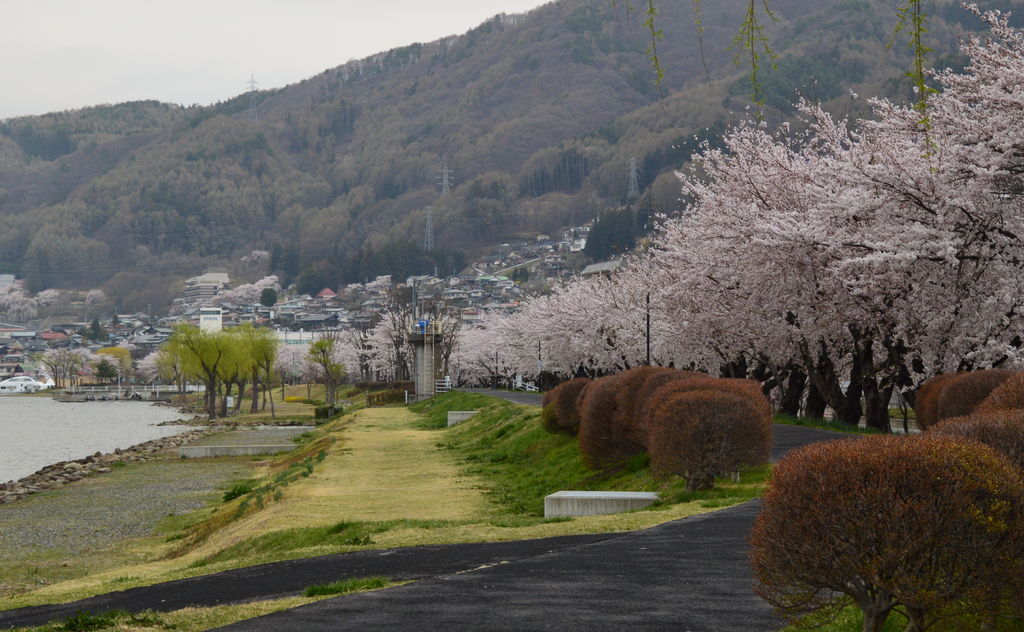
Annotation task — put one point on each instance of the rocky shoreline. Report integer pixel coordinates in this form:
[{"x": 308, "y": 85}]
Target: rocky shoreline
[{"x": 63, "y": 473}]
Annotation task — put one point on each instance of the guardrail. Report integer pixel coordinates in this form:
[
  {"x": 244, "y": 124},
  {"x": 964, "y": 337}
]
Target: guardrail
[{"x": 134, "y": 388}]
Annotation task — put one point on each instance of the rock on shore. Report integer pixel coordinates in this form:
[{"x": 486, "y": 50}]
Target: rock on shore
[{"x": 65, "y": 472}]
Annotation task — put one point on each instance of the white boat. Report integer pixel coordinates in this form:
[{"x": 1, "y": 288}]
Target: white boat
[{"x": 21, "y": 384}]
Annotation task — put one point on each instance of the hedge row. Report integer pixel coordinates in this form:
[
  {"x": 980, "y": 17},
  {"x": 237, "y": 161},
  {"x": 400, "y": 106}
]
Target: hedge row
[
  {"x": 689, "y": 423},
  {"x": 950, "y": 395}
]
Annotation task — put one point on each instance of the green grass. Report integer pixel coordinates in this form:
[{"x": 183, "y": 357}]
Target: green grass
[
  {"x": 824, "y": 424},
  {"x": 506, "y": 446},
  {"x": 850, "y": 619},
  {"x": 347, "y": 586},
  {"x": 240, "y": 488},
  {"x": 435, "y": 410},
  {"x": 277, "y": 544}
]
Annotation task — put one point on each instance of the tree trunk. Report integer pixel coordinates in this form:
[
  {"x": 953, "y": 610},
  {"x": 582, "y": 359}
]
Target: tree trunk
[
  {"x": 814, "y": 407},
  {"x": 876, "y": 402},
  {"x": 874, "y": 618},
  {"x": 269, "y": 394},
  {"x": 211, "y": 398},
  {"x": 699, "y": 480},
  {"x": 224, "y": 399},
  {"x": 241, "y": 391},
  {"x": 792, "y": 392},
  {"x": 255, "y": 407},
  {"x": 329, "y": 394},
  {"x": 822, "y": 374}
]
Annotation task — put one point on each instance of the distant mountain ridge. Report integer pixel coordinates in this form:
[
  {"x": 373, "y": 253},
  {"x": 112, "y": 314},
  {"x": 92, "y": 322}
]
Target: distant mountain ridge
[{"x": 537, "y": 116}]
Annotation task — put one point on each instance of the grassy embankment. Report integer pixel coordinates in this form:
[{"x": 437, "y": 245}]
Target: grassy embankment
[{"x": 389, "y": 477}]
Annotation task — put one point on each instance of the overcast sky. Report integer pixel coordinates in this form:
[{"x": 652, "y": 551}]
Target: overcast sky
[{"x": 65, "y": 54}]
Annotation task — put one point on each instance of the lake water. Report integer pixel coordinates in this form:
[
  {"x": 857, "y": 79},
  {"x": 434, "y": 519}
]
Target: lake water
[{"x": 37, "y": 431}]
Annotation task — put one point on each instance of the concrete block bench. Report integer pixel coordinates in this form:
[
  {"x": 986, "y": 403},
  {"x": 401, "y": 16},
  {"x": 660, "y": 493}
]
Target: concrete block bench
[
  {"x": 459, "y": 416},
  {"x": 198, "y": 451},
  {"x": 569, "y": 503}
]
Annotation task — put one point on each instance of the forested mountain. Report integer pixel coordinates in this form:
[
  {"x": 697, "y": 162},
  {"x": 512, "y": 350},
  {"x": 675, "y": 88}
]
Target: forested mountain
[{"x": 536, "y": 115}]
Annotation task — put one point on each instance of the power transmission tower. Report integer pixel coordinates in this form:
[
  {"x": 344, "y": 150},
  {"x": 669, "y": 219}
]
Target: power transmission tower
[
  {"x": 445, "y": 180},
  {"x": 634, "y": 188},
  {"x": 428, "y": 238},
  {"x": 252, "y": 114}
]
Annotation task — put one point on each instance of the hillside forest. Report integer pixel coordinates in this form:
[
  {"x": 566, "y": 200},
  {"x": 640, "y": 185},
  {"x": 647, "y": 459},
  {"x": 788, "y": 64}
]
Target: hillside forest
[{"x": 535, "y": 115}]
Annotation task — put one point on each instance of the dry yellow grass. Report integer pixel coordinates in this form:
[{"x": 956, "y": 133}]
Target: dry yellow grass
[{"x": 385, "y": 468}]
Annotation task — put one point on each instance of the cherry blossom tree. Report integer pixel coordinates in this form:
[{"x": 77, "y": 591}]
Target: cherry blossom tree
[
  {"x": 858, "y": 257},
  {"x": 249, "y": 293},
  {"x": 16, "y": 303}
]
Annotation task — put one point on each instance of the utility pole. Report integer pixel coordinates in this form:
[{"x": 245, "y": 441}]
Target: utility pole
[{"x": 648, "y": 329}]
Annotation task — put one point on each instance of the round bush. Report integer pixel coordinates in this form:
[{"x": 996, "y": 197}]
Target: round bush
[
  {"x": 961, "y": 395},
  {"x": 559, "y": 413},
  {"x": 603, "y": 442},
  {"x": 627, "y": 414},
  {"x": 701, "y": 433},
  {"x": 926, "y": 403},
  {"x": 1007, "y": 396},
  {"x": 922, "y": 522},
  {"x": 1002, "y": 430},
  {"x": 645, "y": 394},
  {"x": 747, "y": 389}
]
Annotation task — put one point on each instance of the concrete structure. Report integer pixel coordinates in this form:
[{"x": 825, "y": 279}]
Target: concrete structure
[
  {"x": 199, "y": 451},
  {"x": 204, "y": 287},
  {"x": 211, "y": 319},
  {"x": 569, "y": 503},
  {"x": 428, "y": 366},
  {"x": 459, "y": 416}
]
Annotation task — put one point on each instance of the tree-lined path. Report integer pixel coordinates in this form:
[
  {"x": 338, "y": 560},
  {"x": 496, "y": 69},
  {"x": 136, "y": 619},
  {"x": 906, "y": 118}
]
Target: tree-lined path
[{"x": 689, "y": 574}]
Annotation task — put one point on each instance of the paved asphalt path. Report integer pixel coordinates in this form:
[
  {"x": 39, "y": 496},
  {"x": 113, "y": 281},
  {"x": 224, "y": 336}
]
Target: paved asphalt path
[
  {"x": 289, "y": 578},
  {"x": 689, "y": 574}
]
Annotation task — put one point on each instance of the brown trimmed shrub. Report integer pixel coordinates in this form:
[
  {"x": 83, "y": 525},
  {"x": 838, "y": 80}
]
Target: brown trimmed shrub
[
  {"x": 748, "y": 389},
  {"x": 603, "y": 442},
  {"x": 926, "y": 402},
  {"x": 582, "y": 395},
  {"x": 645, "y": 394},
  {"x": 924, "y": 522},
  {"x": 961, "y": 395},
  {"x": 559, "y": 413},
  {"x": 1007, "y": 396},
  {"x": 699, "y": 433},
  {"x": 1002, "y": 430},
  {"x": 627, "y": 414}
]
